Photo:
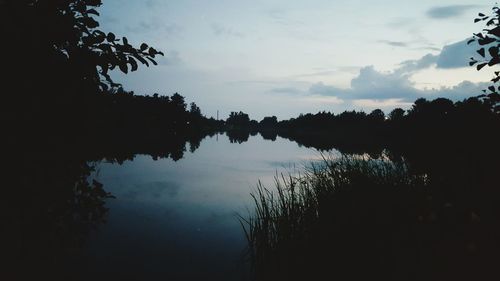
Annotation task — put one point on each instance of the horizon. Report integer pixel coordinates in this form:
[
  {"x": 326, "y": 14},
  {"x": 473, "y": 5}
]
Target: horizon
[{"x": 286, "y": 58}]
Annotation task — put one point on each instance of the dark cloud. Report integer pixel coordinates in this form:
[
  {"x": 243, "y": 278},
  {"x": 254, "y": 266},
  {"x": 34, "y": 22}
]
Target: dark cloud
[
  {"x": 451, "y": 11},
  {"x": 410, "y": 66},
  {"x": 454, "y": 55},
  {"x": 394, "y": 43}
]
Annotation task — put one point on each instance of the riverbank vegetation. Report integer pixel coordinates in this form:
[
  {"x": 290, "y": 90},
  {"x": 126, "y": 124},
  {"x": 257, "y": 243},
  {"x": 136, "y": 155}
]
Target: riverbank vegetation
[{"x": 359, "y": 218}]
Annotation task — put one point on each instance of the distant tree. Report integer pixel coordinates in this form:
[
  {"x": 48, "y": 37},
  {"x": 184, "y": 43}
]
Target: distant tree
[
  {"x": 419, "y": 106},
  {"x": 194, "y": 109},
  {"x": 178, "y": 101},
  {"x": 488, "y": 41},
  {"x": 269, "y": 121},
  {"x": 396, "y": 114},
  {"x": 377, "y": 115},
  {"x": 238, "y": 119}
]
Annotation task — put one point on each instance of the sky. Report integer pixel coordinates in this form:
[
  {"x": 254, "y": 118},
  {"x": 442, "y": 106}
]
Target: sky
[{"x": 286, "y": 57}]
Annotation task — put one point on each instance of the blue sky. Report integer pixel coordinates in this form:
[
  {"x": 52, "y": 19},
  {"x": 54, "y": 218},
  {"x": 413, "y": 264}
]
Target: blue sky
[{"x": 285, "y": 57}]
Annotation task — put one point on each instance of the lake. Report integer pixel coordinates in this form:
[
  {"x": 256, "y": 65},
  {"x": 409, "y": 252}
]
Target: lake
[{"x": 177, "y": 220}]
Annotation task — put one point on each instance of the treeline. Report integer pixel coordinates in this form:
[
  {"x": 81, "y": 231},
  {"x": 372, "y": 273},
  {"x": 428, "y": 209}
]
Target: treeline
[
  {"x": 158, "y": 125},
  {"x": 427, "y": 123}
]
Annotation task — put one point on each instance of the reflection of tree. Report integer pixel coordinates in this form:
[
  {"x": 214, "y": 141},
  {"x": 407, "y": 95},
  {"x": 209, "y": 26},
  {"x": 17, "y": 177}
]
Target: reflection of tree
[
  {"x": 238, "y": 136},
  {"x": 51, "y": 207}
]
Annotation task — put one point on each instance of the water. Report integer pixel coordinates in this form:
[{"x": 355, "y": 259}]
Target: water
[{"x": 177, "y": 220}]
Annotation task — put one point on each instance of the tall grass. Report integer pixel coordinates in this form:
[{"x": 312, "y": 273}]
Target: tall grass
[{"x": 352, "y": 218}]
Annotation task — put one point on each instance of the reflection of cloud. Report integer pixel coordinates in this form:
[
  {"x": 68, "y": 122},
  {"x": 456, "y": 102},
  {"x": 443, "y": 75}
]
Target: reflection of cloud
[
  {"x": 451, "y": 11},
  {"x": 152, "y": 190}
]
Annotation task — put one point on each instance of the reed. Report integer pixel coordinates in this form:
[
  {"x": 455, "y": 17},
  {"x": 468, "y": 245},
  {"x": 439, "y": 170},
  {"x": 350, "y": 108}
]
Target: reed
[{"x": 302, "y": 225}]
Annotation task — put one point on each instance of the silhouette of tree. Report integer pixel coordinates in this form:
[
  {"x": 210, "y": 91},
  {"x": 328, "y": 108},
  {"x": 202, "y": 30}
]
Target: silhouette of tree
[
  {"x": 377, "y": 115},
  {"x": 269, "y": 121},
  {"x": 194, "y": 109},
  {"x": 488, "y": 41},
  {"x": 396, "y": 114},
  {"x": 65, "y": 34},
  {"x": 238, "y": 120}
]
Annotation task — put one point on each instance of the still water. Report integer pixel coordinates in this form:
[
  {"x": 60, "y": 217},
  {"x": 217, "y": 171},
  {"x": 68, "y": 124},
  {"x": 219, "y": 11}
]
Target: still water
[{"x": 177, "y": 220}]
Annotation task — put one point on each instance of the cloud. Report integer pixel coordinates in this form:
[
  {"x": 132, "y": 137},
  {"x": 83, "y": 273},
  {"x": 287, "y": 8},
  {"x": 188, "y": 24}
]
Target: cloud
[
  {"x": 394, "y": 43},
  {"x": 373, "y": 85},
  {"x": 171, "y": 58},
  {"x": 451, "y": 11},
  {"x": 221, "y": 30},
  {"x": 287, "y": 90},
  {"x": 154, "y": 25},
  {"x": 454, "y": 55}
]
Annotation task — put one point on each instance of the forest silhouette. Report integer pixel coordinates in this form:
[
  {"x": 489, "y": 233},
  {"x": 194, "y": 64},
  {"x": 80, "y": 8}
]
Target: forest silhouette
[{"x": 62, "y": 111}]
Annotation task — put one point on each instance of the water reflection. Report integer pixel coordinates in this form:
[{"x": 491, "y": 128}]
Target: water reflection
[{"x": 174, "y": 216}]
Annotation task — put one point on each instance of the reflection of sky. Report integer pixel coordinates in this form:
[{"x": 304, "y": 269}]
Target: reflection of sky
[{"x": 178, "y": 219}]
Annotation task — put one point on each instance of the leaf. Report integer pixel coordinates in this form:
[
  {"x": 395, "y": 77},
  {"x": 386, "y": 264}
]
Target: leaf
[
  {"x": 141, "y": 59},
  {"x": 495, "y": 31},
  {"x": 493, "y": 51},
  {"x": 93, "y": 12},
  {"x": 133, "y": 64},
  {"x": 153, "y": 61},
  {"x": 144, "y": 46},
  {"x": 111, "y": 37},
  {"x": 481, "y": 52},
  {"x": 476, "y": 20},
  {"x": 123, "y": 67},
  {"x": 470, "y": 41},
  {"x": 493, "y": 61},
  {"x": 481, "y": 65},
  {"x": 471, "y": 63},
  {"x": 491, "y": 88},
  {"x": 125, "y": 41},
  {"x": 481, "y": 14},
  {"x": 485, "y": 41}
]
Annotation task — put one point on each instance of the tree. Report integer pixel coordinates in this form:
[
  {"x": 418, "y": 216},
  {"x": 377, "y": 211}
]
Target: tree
[
  {"x": 238, "y": 120},
  {"x": 194, "y": 109},
  {"x": 269, "y": 121},
  {"x": 377, "y": 115},
  {"x": 396, "y": 114},
  {"x": 62, "y": 38},
  {"x": 178, "y": 101},
  {"x": 488, "y": 41}
]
